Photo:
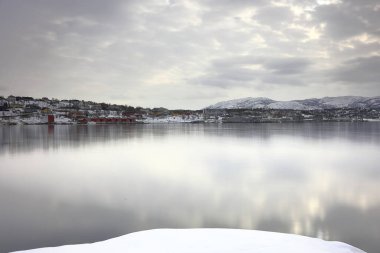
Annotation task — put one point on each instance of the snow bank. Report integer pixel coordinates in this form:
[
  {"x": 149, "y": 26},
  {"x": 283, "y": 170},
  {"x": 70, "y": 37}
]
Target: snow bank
[
  {"x": 207, "y": 241},
  {"x": 173, "y": 119}
]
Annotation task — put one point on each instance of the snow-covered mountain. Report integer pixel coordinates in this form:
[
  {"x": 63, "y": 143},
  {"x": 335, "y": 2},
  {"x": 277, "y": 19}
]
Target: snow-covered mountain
[
  {"x": 243, "y": 103},
  {"x": 306, "y": 104}
]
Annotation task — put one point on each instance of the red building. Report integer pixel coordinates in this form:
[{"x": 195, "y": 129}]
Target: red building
[{"x": 50, "y": 119}]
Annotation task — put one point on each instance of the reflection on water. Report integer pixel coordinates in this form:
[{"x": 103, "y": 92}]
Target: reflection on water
[{"x": 76, "y": 184}]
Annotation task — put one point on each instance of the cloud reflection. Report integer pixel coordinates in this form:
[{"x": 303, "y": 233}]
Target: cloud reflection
[{"x": 86, "y": 184}]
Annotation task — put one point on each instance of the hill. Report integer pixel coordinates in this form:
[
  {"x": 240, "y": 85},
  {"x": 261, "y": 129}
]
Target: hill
[{"x": 306, "y": 104}]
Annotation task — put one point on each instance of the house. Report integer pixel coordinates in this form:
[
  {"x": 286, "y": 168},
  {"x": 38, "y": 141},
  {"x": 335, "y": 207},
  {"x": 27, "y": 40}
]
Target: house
[
  {"x": 11, "y": 99},
  {"x": 46, "y": 110},
  {"x": 31, "y": 109},
  {"x": 3, "y": 104},
  {"x": 95, "y": 106}
]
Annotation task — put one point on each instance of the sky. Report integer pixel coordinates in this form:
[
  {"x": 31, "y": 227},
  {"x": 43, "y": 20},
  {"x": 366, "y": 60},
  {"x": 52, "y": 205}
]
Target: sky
[{"x": 189, "y": 53}]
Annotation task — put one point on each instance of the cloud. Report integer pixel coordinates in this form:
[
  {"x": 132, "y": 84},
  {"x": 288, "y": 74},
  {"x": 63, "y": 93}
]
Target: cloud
[
  {"x": 250, "y": 70},
  {"x": 360, "y": 70},
  {"x": 348, "y": 18},
  {"x": 266, "y": 16},
  {"x": 283, "y": 80},
  {"x": 154, "y": 51},
  {"x": 358, "y": 49},
  {"x": 287, "y": 66}
]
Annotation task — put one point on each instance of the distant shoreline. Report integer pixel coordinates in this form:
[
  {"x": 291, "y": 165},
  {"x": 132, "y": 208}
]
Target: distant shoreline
[
  {"x": 15, "y": 110},
  {"x": 185, "y": 123}
]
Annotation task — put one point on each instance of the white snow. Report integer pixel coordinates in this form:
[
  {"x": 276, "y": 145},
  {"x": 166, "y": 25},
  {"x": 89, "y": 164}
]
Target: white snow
[
  {"x": 62, "y": 120},
  {"x": 248, "y": 103},
  {"x": 206, "y": 241},
  {"x": 7, "y": 113},
  {"x": 288, "y": 105},
  {"x": 41, "y": 104},
  {"x": 326, "y": 102},
  {"x": 344, "y": 101},
  {"x": 172, "y": 119},
  {"x": 32, "y": 120}
]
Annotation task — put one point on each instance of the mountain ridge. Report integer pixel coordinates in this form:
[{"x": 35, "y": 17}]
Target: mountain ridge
[{"x": 303, "y": 104}]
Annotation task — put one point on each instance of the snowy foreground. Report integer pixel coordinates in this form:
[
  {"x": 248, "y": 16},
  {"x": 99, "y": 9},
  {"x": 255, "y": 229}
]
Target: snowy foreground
[{"x": 207, "y": 241}]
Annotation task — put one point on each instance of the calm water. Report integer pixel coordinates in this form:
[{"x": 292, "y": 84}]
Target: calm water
[{"x": 76, "y": 184}]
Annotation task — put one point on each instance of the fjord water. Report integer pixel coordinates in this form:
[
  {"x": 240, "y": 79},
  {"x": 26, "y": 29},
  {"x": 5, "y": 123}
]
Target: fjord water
[{"x": 78, "y": 184}]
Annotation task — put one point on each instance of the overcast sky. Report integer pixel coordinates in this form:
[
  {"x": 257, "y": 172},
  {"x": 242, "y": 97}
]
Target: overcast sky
[{"x": 189, "y": 53}]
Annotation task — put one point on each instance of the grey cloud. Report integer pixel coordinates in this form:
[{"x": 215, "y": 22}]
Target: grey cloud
[
  {"x": 284, "y": 80},
  {"x": 229, "y": 72},
  {"x": 359, "y": 71},
  {"x": 236, "y": 71},
  {"x": 283, "y": 15},
  {"x": 238, "y": 74},
  {"x": 349, "y": 18},
  {"x": 294, "y": 34},
  {"x": 95, "y": 9},
  {"x": 219, "y": 82},
  {"x": 234, "y": 4},
  {"x": 286, "y": 66},
  {"x": 279, "y": 65},
  {"x": 358, "y": 49},
  {"x": 217, "y": 10}
]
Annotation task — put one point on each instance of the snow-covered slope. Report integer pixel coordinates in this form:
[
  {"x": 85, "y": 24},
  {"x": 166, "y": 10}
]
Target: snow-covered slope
[
  {"x": 288, "y": 105},
  {"x": 306, "y": 104},
  {"x": 347, "y": 101},
  {"x": 243, "y": 103},
  {"x": 207, "y": 241}
]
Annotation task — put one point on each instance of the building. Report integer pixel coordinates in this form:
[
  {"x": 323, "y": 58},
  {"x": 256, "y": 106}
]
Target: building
[
  {"x": 3, "y": 104},
  {"x": 11, "y": 99}
]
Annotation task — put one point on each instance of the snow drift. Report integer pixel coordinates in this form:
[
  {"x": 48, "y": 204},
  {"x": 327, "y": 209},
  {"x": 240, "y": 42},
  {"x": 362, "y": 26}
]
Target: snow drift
[{"x": 207, "y": 241}]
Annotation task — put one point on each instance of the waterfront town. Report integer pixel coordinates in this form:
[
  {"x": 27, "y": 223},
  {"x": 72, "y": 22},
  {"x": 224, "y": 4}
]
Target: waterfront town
[{"x": 19, "y": 110}]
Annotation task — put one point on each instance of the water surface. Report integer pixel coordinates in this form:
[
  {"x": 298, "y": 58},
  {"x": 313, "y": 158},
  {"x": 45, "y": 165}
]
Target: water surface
[{"x": 78, "y": 184}]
